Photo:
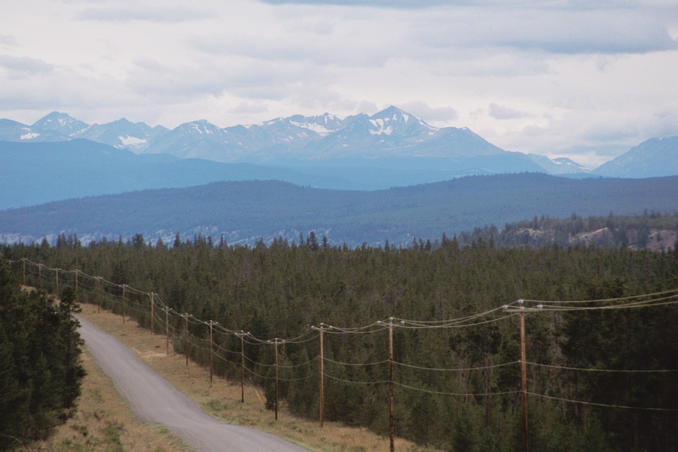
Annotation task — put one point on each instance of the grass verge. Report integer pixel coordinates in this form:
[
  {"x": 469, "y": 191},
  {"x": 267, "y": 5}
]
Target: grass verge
[{"x": 104, "y": 422}]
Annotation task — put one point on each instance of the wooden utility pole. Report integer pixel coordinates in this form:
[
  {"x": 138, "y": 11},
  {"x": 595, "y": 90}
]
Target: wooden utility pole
[
  {"x": 523, "y": 375},
  {"x": 391, "y": 429},
  {"x": 167, "y": 330},
  {"x": 321, "y": 375},
  {"x": 186, "y": 349},
  {"x": 242, "y": 366},
  {"x": 40, "y": 276},
  {"x": 211, "y": 357},
  {"x": 99, "y": 294},
  {"x": 150, "y": 295},
  {"x": 56, "y": 277},
  {"x": 124, "y": 301},
  {"x": 275, "y": 343}
]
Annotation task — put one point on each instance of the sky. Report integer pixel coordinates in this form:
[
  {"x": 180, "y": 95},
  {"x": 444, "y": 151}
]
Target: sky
[{"x": 582, "y": 79}]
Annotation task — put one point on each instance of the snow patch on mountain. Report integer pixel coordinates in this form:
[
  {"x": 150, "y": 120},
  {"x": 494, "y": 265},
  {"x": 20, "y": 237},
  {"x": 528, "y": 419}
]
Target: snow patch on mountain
[
  {"x": 381, "y": 127},
  {"x": 29, "y": 136},
  {"x": 317, "y": 128},
  {"x": 132, "y": 141}
]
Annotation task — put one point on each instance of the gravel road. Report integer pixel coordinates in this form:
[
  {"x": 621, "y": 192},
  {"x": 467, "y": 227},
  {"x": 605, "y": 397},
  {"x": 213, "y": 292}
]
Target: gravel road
[{"x": 156, "y": 401}]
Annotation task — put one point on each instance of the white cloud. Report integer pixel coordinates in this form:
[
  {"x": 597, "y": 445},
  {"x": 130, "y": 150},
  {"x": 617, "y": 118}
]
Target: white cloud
[
  {"x": 7, "y": 40},
  {"x": 428, "y": 113},
  {"x": 502, "y": 112},
  {"x": 18, "y": 66},
  {"x": 141, "y": 13}
]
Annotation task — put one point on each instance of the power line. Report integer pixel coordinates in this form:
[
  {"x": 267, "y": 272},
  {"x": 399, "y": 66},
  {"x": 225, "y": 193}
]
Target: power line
[
  {"x": 604, "y": 405},
  {"x": 456, "y": 394},
  {"x": 603, "y": 300},
  {"x": 664, "y": 301},
  {"x": 458, "y": 369},
  {"x": 455, "y": 326},
  {"x": 375, "y": 363},
  {"x": 357, "y": 382},
  {"x": 593, "y": 369}
]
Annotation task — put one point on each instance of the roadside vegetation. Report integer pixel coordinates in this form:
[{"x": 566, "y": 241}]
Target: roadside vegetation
[{"x": 40, "y": 368}]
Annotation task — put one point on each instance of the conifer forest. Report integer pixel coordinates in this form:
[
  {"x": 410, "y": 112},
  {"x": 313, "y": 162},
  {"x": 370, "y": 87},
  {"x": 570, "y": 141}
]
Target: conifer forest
[
  {"x": 599, "y": 377},
  {"x": 40, "y": 369}
]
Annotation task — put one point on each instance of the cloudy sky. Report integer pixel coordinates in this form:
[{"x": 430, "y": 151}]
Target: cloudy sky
[{"x": 555, "y": 77}]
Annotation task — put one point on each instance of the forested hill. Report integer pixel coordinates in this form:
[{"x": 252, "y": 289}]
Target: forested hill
[
  {"x": 245, "y": 212},
  {"x": 650, "y": 230}
]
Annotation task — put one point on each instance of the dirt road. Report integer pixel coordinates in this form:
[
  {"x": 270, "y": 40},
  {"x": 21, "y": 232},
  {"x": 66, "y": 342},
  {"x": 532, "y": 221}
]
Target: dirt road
[{"x": 156, "y": 401}]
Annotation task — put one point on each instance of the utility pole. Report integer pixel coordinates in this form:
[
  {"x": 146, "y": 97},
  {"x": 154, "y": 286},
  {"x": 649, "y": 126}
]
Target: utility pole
[
  {"x": 40, "y": 276},
  {"x": 56, "y": 274},
  {"x": 150, "y": 295},
  {"x": 275, "y": 343},
  {"x": 242, "y": 365},
  {"x": 211, "y": 358},
  {"x": 186, "y": 349},
  {"x": 124, "y": 301},
  {"x": 99, "y": 294},
  {"x": 321, "y": 399},
  {"x": 523, "y": 374},
  {"x": 391, "y": 429},
  {"x": 167, "y": 330}
]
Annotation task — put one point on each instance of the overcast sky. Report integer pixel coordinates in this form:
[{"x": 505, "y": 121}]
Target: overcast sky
[{"x": 560, "y": 78}]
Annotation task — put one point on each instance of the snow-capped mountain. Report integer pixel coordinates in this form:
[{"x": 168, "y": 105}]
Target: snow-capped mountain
[
  {"x": 322, "y": 124},
  {"x": 195, "y": 139},
  {"x": 395, "y": 133},
  {"x": 57, "y": 125},
  {"x": 277, "y": 138},
  {"x": 123, "y": 134},
  {"x": 388, "y": 134}
]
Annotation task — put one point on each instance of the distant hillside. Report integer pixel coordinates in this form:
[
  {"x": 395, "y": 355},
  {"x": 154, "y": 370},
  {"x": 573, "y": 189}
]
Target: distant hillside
[
  {"x": 36, "y": 173},
  {"x": 652, "y": 158},
  {"x": 651, "y": 231},
  {"x": 245, "y": 212}
]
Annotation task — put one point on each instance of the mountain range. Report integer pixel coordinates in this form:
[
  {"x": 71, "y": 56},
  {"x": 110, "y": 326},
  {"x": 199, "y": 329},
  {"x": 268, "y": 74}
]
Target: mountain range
[
  {"x": 391, "y": 139},
  {"x": 389, "y": 134},
  {"x": 245, "y": 212}
]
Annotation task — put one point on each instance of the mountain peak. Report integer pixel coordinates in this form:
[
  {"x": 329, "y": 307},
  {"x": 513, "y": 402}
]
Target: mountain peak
[
  {"x": 392, "y": 112},
  {"x": 60, "y": 123},
  {"x": 655, "y": 157},
  {"x": 199, "y": 127},
  {"x": 56, "y": 117},
  {"x": 321, "y": 124}
]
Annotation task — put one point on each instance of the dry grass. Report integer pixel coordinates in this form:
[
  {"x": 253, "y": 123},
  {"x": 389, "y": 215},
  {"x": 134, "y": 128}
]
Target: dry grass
[
  {"x": 104, "y": 422},
  {"x": 222, "y": 399}
]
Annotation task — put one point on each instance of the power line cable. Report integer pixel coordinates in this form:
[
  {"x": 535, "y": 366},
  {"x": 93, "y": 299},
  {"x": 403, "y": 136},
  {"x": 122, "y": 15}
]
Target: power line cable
[
  {"x": 603, "y": 405},
  {"x": 593, "y": 369},
  {"x": 459, "y": 369}
]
